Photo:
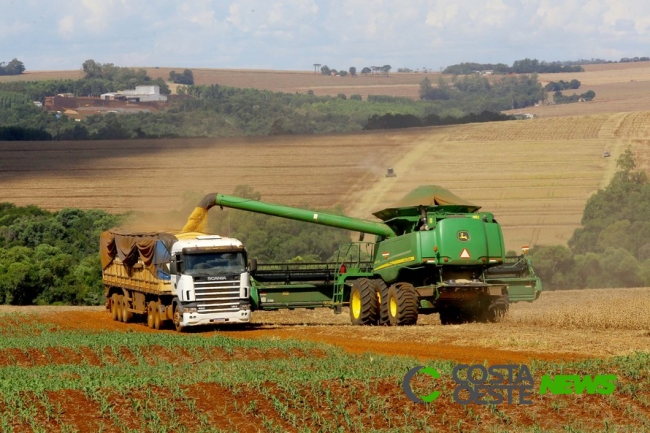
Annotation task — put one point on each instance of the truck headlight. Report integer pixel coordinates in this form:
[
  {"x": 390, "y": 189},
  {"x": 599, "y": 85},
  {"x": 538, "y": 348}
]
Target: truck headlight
[{"x": 189, "y": 310}]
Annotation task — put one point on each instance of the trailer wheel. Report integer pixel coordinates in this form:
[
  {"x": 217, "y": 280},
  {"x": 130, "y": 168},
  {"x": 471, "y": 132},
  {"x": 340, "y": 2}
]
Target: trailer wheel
[
  {"x": 126, "y": 314},
  {"x": 151, "y": 311},
  {"x": 363, "y": 303},
  {"x": 381, "y": 291},
  {"x": 402, "y": 305},
  {"x": 120, "y": 300},
  {"x": 156, "y": 315},
  {"x": 115, "y": 310}
]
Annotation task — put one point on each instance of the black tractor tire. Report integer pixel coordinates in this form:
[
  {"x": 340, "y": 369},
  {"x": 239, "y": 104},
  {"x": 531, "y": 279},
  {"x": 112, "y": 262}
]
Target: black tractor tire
[
  {"x": 364, "y": 307},
  {"x": 151, "y": 314},
  {"x": 115, "y": 308},
  {"x": 381, "y": 291},
  {"x": 402, "y": 305}
]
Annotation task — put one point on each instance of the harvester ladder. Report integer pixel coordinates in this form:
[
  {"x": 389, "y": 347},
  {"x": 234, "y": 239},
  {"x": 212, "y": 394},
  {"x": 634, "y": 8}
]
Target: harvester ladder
[{"x": 351, "y": 256}]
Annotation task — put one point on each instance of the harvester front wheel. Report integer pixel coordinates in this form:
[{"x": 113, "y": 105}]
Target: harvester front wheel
[
  {"x": 402, "y": 305},
  {"x": 115, "y": 310},
  {"x": 363, "y": 303},
  {"x": 381, "y": 291},
  {"x": 151, "y": 311}
]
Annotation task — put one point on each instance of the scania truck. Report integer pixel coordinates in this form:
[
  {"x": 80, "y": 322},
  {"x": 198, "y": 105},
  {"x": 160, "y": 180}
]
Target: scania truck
[{"x": 188, "y": 279}]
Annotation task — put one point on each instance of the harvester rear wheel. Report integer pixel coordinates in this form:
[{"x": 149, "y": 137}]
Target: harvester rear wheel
[
  {"x": 126, "y": 314},
  {"x": 381, "y": 291},
  {"x": 402, "y": 304},
  {"x": 115, "y": 307},
  {"x": 150, "y": 314},
  {"x": 363, "y": 303}
]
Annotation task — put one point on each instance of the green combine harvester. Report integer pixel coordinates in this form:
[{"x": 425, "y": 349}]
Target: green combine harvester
[{"x": 433, "y": 253}]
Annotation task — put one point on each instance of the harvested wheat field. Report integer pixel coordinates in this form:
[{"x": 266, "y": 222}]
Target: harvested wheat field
[
  {"x": 74, "y": 369},
  {"x": 534, "y": 175}
]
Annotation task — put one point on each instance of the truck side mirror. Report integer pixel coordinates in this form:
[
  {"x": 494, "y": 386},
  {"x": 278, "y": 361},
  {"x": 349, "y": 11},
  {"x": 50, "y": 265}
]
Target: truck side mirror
[
  {"x": 252, "y": 265},
  {"x": 172, "y": 267}
]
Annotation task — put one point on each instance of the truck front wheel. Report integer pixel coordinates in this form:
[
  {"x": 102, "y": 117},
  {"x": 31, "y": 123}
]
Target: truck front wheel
[{"x": 178, "y": 317}]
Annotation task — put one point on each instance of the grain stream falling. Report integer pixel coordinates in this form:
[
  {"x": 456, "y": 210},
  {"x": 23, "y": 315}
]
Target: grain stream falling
[{"x": 197, "y": 222}]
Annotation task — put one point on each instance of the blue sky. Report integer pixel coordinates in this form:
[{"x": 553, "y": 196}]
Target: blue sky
[{"x": 295, "y": 34}]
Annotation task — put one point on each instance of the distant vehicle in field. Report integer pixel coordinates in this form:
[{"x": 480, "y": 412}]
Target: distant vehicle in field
[
  {"x": 390, "y": 172},
  {"x": 606, "y": 154}
]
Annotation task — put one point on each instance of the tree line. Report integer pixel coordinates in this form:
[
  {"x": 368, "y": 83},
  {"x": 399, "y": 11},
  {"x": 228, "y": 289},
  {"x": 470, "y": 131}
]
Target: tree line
[
  {"x": 14, "y": 67},
  {"x": 53, "y": 257},
  {"x": 396, "y": 121},
  {"x": 612, "y": 248},
  {"x": 524, "y": 66},
  {"x": 507, "y": 93},
  {"x": 325, "y": 70}
]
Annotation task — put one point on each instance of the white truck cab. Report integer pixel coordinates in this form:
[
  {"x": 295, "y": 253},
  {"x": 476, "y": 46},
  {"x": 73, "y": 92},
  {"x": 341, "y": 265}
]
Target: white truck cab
[{"x": 210, "y": 280}]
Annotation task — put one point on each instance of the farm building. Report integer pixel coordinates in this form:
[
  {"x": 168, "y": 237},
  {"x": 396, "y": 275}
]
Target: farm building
[{"x": 140, "y": 94}]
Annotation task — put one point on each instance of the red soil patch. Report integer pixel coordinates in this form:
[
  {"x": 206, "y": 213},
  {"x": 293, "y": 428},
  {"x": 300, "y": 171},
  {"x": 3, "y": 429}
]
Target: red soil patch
[
  {"x": 235, "y": 410},
  {"x": 345, "y": 338}
]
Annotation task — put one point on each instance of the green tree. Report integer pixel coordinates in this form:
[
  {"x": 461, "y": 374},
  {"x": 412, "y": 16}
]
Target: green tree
[{"x": 353, "y": 71}]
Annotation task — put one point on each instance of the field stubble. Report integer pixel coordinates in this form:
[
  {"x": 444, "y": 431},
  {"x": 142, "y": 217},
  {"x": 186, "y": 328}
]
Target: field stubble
[{"x": 56, "y": 360}]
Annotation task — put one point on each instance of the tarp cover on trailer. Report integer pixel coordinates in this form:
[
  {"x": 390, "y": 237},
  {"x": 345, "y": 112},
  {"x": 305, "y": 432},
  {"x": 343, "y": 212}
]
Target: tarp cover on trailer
[
  {"x": 151, "y": 247},
  {"x": 428, "y": 195}
]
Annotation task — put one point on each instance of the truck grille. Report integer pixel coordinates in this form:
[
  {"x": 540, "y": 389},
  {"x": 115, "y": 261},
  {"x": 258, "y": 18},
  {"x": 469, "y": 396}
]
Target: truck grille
[{"x": 216, "y": 296}]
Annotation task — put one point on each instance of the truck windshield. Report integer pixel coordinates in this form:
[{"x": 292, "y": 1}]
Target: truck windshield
[{"x": 214, "y": 263}]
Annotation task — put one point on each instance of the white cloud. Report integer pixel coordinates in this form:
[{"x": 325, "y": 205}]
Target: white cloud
[
  {"x": 288, "y": 34},
  {"x": 66, "y": 26}
]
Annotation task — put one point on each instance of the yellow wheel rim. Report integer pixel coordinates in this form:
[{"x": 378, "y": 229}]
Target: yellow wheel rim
[
  {"x": 356, "y": 304},
  {"x": 393, "y": 307}
]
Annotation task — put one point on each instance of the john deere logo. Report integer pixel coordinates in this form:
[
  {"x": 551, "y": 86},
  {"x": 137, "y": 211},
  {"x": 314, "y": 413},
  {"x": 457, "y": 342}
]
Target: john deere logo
[{"x": 463, "y": 236}]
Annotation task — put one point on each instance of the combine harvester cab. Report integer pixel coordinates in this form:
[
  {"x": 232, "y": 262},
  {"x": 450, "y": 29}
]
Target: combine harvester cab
[
  {"x": 430, "y": 255},
  {"x": 190, "y": 279}
]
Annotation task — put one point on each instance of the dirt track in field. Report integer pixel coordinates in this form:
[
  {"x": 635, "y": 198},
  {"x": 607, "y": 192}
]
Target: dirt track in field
[{"x": 427, "y": 340}]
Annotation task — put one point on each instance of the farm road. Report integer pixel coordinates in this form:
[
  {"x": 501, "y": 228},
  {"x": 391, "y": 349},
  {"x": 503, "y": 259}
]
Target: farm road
[{"x": 381, "y": 340}]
